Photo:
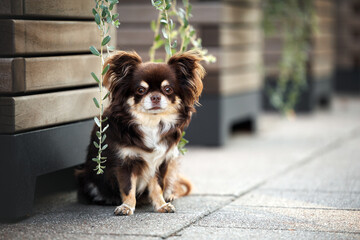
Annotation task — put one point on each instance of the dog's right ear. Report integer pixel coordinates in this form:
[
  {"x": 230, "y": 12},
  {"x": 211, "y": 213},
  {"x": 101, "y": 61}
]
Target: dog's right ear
[{"x": 122, "y": 65}]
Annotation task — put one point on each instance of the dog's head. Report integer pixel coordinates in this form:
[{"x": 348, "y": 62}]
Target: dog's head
[{"x": 154, "y": 88}]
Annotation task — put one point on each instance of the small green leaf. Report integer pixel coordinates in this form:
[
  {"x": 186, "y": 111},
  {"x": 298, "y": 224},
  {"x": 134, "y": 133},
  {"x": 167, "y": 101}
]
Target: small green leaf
[
  {"x": 153, "y": 25},
  {"x": 174, "y": 44},
  {"x": 99, "y": 171},
  {"x": 105, "y": 128},
  {"x": 103, "y": 138},
  {"x": 163, "y": 30},
  {"x": 97, "y": 121},
  {"x": 96, "y": 102},
  {"x": 168, "y": 6},
  {"x": 111, "y": 6},
  {"x": 94, "y": 51},
  {"x": 110, "y": 48},
  {"x": 105, "y": 69},
  {"x": 96, "y": 144},
  {"x": 95, "y": 159},
  {"x": 97, "y": 19},
  {"x": 95, "y": 77},
  {"x": 108, "y": 19},
  {"x": 105, "y": 40},
  {"x": 167, "y": 49},
  {"x": 94, "y": 11},
  {"x": 104, "y": 147},
  {"x": 116, "y": 15},
  {"x": 171, "y": 24},
  {"x": 104, "y": 12},
  {"x": 98, "y": 134},
  {"x": 106, "y": 96},
  {"x": 117, "y": 23},
  {"x": 105, "y": 119},
  {"x": 186, "y": 23}
]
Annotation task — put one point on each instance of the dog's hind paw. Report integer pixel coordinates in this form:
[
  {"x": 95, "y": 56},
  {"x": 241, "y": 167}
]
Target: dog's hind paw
[
  {"x": 166, "y": 208},
  {"x": 124, "y": 210}
]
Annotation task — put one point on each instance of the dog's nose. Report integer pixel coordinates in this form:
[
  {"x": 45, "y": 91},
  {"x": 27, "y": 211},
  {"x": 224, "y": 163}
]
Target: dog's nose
[{"x": 155, "y": 98}]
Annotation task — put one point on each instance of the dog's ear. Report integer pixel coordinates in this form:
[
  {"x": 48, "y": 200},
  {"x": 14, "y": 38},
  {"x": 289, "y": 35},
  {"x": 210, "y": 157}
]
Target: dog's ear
[
  {"x": 189, "y": 73},
  {"x": 122, "y": 65}
]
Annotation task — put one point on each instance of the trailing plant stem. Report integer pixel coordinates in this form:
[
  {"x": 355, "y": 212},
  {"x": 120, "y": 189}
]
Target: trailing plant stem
[
  {"x": 156, "y": 33},
  {"x": 168, "y": 30},
  {"x": 100, "y": 95}
]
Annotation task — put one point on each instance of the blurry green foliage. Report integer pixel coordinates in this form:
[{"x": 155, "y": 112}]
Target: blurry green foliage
[{"x": 294, "y": 21}]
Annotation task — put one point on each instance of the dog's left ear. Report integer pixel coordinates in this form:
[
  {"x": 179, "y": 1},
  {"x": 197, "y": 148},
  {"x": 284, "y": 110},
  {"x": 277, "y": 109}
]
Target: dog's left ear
[{"x": 189, "y": 73}]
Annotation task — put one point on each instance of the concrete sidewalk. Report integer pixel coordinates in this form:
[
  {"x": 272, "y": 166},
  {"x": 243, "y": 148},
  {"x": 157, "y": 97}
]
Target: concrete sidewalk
[{"x": 295, "y": 179}]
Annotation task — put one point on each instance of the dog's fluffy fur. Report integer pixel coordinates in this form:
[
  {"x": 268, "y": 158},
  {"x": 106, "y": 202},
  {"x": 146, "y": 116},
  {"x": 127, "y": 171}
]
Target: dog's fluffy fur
[{"x": 150, "y": 105}]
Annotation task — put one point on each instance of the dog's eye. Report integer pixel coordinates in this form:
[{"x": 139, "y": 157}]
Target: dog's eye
[
  {"x": 141, "y": 91},
  {"x": 168, "y": 90}
]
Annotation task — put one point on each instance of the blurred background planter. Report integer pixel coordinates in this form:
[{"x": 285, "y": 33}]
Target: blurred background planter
[
  {"x": 348, "y": 47},
  {"x": 231, "y": 31},
  {"x": 320, "y": 66},
  {"x": 46, "y": 93}
]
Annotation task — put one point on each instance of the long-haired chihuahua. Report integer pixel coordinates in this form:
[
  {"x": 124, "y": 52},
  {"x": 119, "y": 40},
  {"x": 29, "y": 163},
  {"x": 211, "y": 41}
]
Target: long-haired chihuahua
[{"x": 150, "y": 105}]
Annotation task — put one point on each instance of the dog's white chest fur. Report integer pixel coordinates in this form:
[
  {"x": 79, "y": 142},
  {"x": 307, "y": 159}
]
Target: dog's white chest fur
[
  {"x": 156, "y": 158},
  {"x": 160, "y": 153}
]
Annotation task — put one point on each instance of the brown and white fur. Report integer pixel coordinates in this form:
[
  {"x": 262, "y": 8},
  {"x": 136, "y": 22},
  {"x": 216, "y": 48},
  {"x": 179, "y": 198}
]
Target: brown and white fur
[{"x": 150, "y": 105}]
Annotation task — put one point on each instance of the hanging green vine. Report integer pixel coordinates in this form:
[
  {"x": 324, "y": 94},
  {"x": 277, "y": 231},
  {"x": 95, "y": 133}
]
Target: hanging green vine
[
  {"x": 185, "y": 33},
  {"x": 167, "y": 9},
  {"x": 103, "y": 19},
  {"x": 294, "y": 21}
]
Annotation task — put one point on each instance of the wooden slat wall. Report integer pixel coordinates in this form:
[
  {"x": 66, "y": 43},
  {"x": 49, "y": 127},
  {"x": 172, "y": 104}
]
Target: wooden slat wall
[
  {"x": 22, "y": 113},
  {"x": 322, "y": 56},
  {"x": 230, "y": 30},
  {"x": 48, "y": 52},
  {"x": 27, "y": 74},
  {"x": 79, "y": 9},
  {"x": 33, "y": 37}
]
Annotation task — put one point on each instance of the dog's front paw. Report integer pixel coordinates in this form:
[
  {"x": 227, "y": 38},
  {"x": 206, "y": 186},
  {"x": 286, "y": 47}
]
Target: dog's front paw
[
  {"x": 166, "y": 208},
  {"x": 124, "y": 210},
  {"x": 169, "y": 197}
]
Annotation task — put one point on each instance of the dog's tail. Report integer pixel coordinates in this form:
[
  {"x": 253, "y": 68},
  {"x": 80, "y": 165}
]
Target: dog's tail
[{"x": 183, "y": 186}]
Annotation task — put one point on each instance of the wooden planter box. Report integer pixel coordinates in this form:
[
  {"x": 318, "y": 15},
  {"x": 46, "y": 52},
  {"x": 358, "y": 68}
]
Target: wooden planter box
[
  {"x": 232, "y": 32},
  {"x": 46, "y": 93},
  {"x": 320, "y": 67},
  {"x": 348, "y": 48}
]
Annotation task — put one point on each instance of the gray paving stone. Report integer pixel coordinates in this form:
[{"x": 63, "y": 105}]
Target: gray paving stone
[
  {"x": 74, "y": 218},
  {"x": 214, "y": 233},
  {"x": 300, "y": 199},
  {"x": 284, "y": 218},
  {"x": 336, "y": 170},
  {"x": 247, "y": 160}
]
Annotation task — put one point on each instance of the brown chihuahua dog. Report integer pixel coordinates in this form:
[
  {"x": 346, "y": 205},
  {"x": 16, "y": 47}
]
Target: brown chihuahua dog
[{"x": 150, "y": 105}]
